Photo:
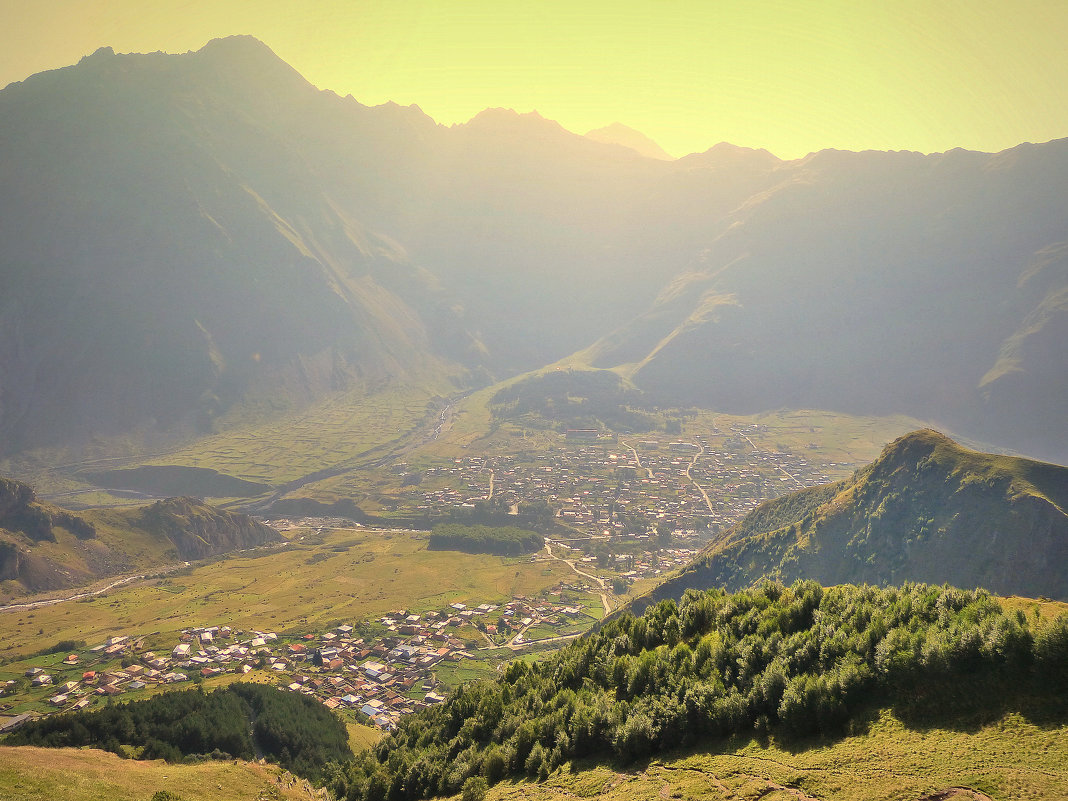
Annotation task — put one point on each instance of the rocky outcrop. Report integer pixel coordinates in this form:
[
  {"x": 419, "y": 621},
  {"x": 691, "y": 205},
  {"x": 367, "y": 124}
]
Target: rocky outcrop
[
  {"x": 20, "y": 513},
  {"x": 199, "y": 531}
]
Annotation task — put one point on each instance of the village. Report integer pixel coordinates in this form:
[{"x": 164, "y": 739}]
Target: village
[
  {"x": 603, "y": 485},
  {"x": 388, "y": 668},
  {"x": 626, "y": 509}
]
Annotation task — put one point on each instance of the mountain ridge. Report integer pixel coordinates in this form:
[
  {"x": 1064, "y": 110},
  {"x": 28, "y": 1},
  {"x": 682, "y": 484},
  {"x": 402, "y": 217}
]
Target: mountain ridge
[
  {"x": 182, "y": 234},
  {"x": 927, "y": 510}
]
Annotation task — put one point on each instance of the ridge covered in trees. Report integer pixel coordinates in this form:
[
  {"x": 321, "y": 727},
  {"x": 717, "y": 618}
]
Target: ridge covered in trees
[
  {"x": 242, "y": 721},
  {"x": 795, "y": 661}
]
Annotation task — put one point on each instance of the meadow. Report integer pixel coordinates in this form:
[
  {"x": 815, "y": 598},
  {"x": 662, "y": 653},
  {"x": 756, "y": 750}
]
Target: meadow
[
  {"x": 47, "y": 774},
  {"x": 312, "y": 584},
  {"x": 1010, "y": 757}
]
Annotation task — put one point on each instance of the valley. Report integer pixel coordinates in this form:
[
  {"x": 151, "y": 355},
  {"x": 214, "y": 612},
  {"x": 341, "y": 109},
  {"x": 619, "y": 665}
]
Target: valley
[{"x": 350, "y": 456}]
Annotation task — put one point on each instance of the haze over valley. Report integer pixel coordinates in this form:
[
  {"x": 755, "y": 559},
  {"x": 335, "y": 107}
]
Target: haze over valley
[{"x": 522, "y": 463}]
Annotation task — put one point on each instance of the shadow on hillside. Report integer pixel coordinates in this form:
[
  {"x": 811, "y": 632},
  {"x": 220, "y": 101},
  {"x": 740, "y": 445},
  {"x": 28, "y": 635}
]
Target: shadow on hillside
[
  {"x": 965, "y": 704},
  {"x": 968, "y": 704}
]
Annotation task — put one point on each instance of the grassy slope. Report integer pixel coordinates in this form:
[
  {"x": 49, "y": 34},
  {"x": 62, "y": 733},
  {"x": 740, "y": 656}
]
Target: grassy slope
[
  {"x": 1009, "y": 757},
  {"x": 123, "y": 544},
  {"x": 927, "y": 506},
  {"x": 47, "y": 774}
]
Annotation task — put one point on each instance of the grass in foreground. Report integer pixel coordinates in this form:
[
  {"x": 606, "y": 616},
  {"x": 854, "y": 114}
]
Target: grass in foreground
[
  {"x": 49, "y": 774},
  {"x": 1006, "y": 758}
]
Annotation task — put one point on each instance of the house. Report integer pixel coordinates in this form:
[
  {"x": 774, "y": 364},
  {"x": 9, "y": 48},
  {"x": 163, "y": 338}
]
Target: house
[
  {"x": 371, "y": 708},
  {"x": 12, "y": 724}
]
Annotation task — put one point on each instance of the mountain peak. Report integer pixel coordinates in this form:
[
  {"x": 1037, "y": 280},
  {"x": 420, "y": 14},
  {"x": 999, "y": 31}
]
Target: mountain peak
[
  {"x": 510, "y": 117},
  {"x": 725, "y": 154},
  {"x": 247, "y": 57},
  {"x": 99, "y": 54},
  {"x": 239, "y": 45},
  {"x": 619, "y": 134}
]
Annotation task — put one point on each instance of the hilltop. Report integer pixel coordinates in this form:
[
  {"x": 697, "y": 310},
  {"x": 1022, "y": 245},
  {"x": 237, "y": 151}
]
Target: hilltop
[
  {"x": 926, "y": 510},
  {"x": 44, "y": 547}
]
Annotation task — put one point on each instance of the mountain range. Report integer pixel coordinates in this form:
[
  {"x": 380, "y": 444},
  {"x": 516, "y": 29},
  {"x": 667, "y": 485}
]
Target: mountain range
[
  {"x": 180, "y": 234},
  {"x": 927, "y": 510}
]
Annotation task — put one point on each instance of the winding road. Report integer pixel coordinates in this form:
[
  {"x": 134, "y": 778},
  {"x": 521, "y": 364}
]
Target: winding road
[
  {"x": 90, "y": 593},
  {"x": 600, "y": 581},
  {"x": 689, "y": 475}
]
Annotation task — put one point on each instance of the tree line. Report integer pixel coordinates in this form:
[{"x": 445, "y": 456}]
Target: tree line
[
  {"x": 240, "y": 721},
  {"x": 498, "y": 540},
  {"x": 797, "y": 661}
]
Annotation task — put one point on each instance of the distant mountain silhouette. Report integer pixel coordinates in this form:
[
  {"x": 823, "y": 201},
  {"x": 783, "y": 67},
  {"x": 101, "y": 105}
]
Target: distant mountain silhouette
[
  {"x": 619, "y": 134},
  {"x": 181, "y": 233}
]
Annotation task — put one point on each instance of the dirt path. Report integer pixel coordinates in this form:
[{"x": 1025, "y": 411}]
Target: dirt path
[
  {"x": 637, "y": 459},
  {"x": 957, "y": 794},
  {"x": 689, "y": 475},
  {"x": 769, "y": 786},
  {"x": 600, "y": 581},
  {"x": 782, "y": 470}
]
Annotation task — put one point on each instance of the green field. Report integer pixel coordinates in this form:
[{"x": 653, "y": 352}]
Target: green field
[
  {"x": 269, "y": 445},
  {"x": 309, "y": 586}
]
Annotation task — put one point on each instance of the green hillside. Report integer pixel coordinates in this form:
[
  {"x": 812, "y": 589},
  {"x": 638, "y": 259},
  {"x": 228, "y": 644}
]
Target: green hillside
[
  {"x": 800, "y": 665},
  {"x": 926, "y": 510}
]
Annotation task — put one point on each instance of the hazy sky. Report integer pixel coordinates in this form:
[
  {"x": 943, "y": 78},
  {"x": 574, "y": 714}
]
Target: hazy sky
[{"x": 791, "y": 76}]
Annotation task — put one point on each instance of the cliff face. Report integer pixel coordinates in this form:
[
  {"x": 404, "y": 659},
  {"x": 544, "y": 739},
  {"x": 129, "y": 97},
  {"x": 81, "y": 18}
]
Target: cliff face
[{"x": 199, "y": 531}]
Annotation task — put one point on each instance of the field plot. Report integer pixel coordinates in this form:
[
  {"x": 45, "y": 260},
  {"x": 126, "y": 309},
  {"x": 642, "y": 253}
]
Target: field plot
[{"x": 337, "y": 431}]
